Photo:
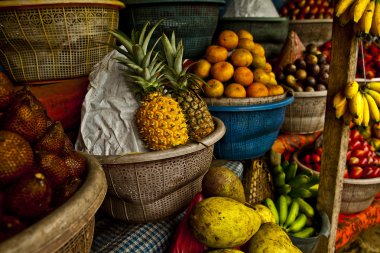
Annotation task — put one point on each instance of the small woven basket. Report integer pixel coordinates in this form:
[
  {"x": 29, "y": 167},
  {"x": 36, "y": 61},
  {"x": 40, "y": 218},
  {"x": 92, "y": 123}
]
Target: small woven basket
[
  {"x": 51, "y": 40},
  {"x": 306, "y": 114},
  {"x": 157, "y": 185},
  {"x": 258, "y": 182},
  {"x": 69, "y": 228}
]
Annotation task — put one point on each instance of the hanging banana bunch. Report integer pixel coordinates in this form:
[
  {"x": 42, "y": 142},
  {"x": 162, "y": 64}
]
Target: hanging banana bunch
[
  {"x": 364, "y": 13},
  {"x": 359, "y": 104}
]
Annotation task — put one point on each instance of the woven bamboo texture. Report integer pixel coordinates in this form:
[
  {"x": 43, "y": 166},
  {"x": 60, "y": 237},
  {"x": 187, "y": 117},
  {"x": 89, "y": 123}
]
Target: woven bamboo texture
[
  {"x": 69, "y": 228},
  {"x": 258, "y": 182},
  {"x": 159, "y": 184},
  {"x": 306, "y": 114},
  {"x": 243, "y": 101},
  {"x": 55, "y": 41}
]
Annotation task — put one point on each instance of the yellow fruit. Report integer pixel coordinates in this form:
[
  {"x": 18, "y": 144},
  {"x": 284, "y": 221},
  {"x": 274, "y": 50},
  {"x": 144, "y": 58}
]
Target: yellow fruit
[
  {"x": 246, "y": 44},
  {"x": 241, "y": 58},
  {"x": 264, "y": 213},
  {"x": 258, "y": 50},
  {"x": 222, "y": 71},
  {"x": 202, "y": 68},
  {"x": 228, "y": 39},
  {"x": 275, "y": 90},
  {"x": 259, "y": 75},
  {"x": 257, "y": 90},
  {"x": 259, "y": 62},
  {"x": 235, "y": 90},
  {"x": 216, "y": 54},
  {"x": 244, "y": 34},
  {"x": 214, "y": 88}
]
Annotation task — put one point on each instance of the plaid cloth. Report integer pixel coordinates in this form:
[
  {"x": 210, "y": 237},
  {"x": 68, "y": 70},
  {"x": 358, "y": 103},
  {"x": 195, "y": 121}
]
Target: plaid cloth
[{"x": 114, "y": 236}]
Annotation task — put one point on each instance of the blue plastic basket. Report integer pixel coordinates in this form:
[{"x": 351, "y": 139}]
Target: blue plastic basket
[{"x": 250, "y": 130}]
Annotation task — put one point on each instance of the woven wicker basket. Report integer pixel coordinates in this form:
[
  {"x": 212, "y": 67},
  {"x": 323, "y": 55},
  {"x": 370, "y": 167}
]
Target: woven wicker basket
[
  {"x": 357, "y": 194},
  {"x": 157, "y": 185},
  {"x": 69, "y": 228},
  {"x": 306, "y": 114},
  {"x": 51, "y": 40},
  {"x": 316, "y": 31}
]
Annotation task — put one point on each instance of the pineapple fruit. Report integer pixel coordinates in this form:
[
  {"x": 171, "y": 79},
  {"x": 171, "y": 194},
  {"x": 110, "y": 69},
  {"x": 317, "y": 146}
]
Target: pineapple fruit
[
  {"x": 198, "y": 117},
  {"x": 159, "y": 118}
]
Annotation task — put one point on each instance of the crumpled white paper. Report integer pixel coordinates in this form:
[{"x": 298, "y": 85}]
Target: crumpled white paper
[
  {"x": 107, "y": 117},
  {"x": 250, "y": 9}
]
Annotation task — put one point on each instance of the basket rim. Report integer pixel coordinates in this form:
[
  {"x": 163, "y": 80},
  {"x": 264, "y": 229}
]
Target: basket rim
[
  {"x": 206, "y": 142},
  {"x": 224, "y": 101},
  {"x": 322, "y": 93},
  {"x": 138, "y": 2},
  {"x": 257, "y": 107},
  {"x": 89, "y": 196},
  {"x": 311, "y": 21},
  {"x": 255, "y": 19},
  {"x": 362, "y": 181},
  {"x": 34, "y": 3}
]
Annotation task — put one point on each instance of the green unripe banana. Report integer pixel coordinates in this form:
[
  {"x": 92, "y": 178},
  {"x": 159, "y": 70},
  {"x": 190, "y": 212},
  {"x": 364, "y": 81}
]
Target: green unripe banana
[
  {"x": 279, "y": 179},
  {"x": 282, "y": 209},
  {"x": 298, "y": 224},
  {"x": 305, "y": 207},
  {"x": 277, "y": 169},
  {"x": 293, "y": 213},
  {"x": 268, "y": 202},
  {"x": 300, "y": 193},
  {"x": 284, "y": 189},
  {"x": 288, "y": 199},
  {"x": 304, "y": 233},
  {"x": 299, "y": 180},
  {"x": 292, "y": 171}
]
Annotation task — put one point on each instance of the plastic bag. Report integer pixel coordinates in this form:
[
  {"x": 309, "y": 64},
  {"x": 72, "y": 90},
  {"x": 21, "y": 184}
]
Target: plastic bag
[
  {"x": 107, "y": 121},
  {"x": 250, "y": 8}
]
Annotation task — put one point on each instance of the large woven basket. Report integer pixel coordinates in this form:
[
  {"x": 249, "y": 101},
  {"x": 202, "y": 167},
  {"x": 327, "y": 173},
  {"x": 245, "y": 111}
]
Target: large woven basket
[
  {"x": 316, "y": 31},
  {"x": 69, "y": 228},
  {"x": 157, "y": 185},
  {"x": 51, "y": 40},
  {"x": 306, "y": 114}
]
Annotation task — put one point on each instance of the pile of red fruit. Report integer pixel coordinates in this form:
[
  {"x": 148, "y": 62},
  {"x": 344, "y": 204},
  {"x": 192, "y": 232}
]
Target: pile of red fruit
[
  {"x": 307, "y": 9},
  {"x": 362, "y": 161},
  {"x": 371, "y": 57}
]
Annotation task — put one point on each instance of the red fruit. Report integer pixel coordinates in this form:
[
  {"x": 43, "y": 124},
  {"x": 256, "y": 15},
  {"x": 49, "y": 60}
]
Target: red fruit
[
  {"x": 9, "y": 226},
  {"x": 315, "y": 158},
  {"x": 370, "y": 74},
  {"x": 76, "y": 164},
  {"x": 377, "y": 172},
  {"x": 368, "y": 172},
  {"x": 348, "y": 156},
  {"x": 53, "y": 139},
  {"x": 307, "y": 159},
  {"x": 29, "y": 197},
  {"x": 317, "y": 167},
  {"x": 346, "y": 173},
  {"x": 361, "y": 153},
  {"x": 53, "y": 167},
  {"x": 356, "y": 172},
  {"x": 354, "y": 144},
  {"x": 319, "y": 151},
  {"x": 363, "y": 161},
  {"x": 16, "y": 157},
  {"x": 370, "y": 160},
  {"x": 355, "y": 135},
  {"x": 353, "y": 160},
  {"x": 64, "y": 192}
]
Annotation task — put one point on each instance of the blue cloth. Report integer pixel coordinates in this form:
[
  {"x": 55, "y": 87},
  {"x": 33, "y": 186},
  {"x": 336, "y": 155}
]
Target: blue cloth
[{"x": 114, "y": 236}]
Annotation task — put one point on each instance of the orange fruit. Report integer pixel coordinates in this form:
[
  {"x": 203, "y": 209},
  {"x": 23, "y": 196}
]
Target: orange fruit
[
  {"x": 214, "y": 88},
  {"x": 259, "y": 62},
  {"x": 268, "y": 67},
  {"x": 244, "y": 34},
  {"x": 274, "y": 90},
  {"x": 258, "y": 49},
  {"x": 202, "y": 68},
  {"x": 271, "y": 74},
  {"x": 246, "y": 44},
  {"x": 216, "y": 54},
  {"x": 256, "y": 90},
  {"x": 241, "y": 58},
  {"x": 272, "y": 80},
  {"x": 228, "y": 39},
  {"x": 259, "y": 75},
  {"x": 235, "y": 90},
  {"x": 243, "y": 75},
  {"x": 222, "y": 71}
]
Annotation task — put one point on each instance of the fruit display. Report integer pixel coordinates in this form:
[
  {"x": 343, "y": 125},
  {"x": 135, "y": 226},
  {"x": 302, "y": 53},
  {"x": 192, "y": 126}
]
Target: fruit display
[
  {"x": 361, "y": 159},
  {"x": 358, "y": 103},
  {"x": 236, "y": 67},
  {"x": 308, "y": 73},
  {"x": 364, "y": 13},
  {"x": 312, "y": 9},
  {"x": 291, "y": 211},
  {"x": 171, "y": 112},
  {"x": 39, "y": 168}
]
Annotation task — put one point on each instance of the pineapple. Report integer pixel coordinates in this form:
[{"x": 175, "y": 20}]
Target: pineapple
[
  {"x": 159, "y": 118},
  {"x": 198, "y": 117}
]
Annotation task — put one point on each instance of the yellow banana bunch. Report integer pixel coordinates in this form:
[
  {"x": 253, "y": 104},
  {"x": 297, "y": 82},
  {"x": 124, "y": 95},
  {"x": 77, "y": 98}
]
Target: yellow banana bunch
[
  {"x": 373, "y": 109},
  {"x": 375, "y": 95},
  {"x": 339, "y": 99},
  {"x": 375, "y": 27},
  {"x": 351, "y": 89},
  {"x": 341, "y": 109},
  {"x": 366, "y": 112},
  {"x": 342, "y": 6},
  {"x": 356, "y": 107},
  {"x": 357, "y": 9},
  {"x": 365, "y": 21},
  {"x": 374, "y": 86}
]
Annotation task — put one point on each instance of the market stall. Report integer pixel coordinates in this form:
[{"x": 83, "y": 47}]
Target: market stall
[{"x": 188, "y": 126}]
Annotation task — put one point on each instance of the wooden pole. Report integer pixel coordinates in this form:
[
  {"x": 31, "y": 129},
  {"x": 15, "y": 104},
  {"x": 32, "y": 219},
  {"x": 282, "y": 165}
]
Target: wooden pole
[{"x": 336, "y": 133}]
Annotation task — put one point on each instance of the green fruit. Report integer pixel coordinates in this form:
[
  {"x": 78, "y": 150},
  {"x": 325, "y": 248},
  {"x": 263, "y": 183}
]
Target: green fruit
[
  {"x": 293, "y": 213},
  {"x": 277, "y": 169},
  {"x": 284, "y": 189},
  {"x": 305, "y": 233},
  {"x": 292, "y": 171},
  {"x": 282, "y": 209},
  {"x": 279, "y": 179},
  {"x": 222, "y": 182},
  {"x": 305, "y": 208},
  {"x": 220, "y": 222},
  {"x": 271, "y": 239},
  {"x": 298, "y": 224},
  {"x": 300, "y": 193},
  {"x": 298, "y": 180},
  {"x": 272, "y": 207}
]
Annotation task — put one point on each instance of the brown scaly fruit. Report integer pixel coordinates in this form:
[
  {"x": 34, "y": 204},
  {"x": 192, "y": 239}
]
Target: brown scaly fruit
[
  {"x": 64, "y": 192},
  {"x": 16, "y": 157},
  {"x": 29, "y": 197},
  {"x": 6, "y": 91},
  {"x": 26, "y": 117},
  {"x": 198, "y": 118},
  {"x": 9, "y": 226},
  {"x": 76, "y": 164},
  {"x": 53, "y": 167},
  {"x": 67, "y": 144},
  {"x": 53, "y": 140},
  {"x": 159, "y": 118}
]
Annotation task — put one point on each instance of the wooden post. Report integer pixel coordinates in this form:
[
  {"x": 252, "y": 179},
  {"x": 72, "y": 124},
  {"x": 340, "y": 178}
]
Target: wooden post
[{"x": 336, "y": 133}]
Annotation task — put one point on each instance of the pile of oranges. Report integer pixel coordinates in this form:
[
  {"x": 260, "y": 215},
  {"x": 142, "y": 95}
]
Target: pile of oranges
[{"x": 236, "y": 67}]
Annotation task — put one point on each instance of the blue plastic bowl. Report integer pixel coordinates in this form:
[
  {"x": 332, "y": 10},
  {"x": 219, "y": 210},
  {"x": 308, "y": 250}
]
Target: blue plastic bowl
[{"x": 250, "y": 130}]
